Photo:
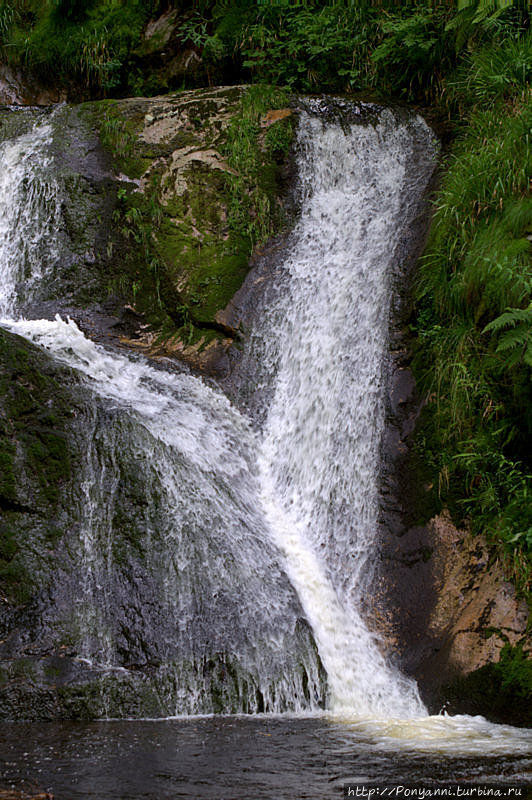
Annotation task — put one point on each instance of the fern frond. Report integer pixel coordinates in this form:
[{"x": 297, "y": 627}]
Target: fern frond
[
  {"x": 518, "y": 337},
  {"x": 514, "y": 344},
  {"x": 510, "y": 318}
]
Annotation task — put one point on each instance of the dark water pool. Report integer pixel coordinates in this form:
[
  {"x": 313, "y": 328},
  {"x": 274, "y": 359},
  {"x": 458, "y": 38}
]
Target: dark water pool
[{"x": 235, "y": 757}]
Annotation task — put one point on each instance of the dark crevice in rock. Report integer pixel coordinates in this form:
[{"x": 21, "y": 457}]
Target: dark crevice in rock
[{"x": 11, "y": 505}]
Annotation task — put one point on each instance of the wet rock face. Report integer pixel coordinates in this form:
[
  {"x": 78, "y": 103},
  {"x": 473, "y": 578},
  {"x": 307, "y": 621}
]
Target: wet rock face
[
  {"x": 43, "y": 419},
  {"x": 18, "y": 89},
  {"x": 441, "y": 600},
  {"x": 151, "y": 218},
  {"x": 39, "y": 425},
  {"x": 442, "y": 603},
  {"x": 104, "y": 565}
]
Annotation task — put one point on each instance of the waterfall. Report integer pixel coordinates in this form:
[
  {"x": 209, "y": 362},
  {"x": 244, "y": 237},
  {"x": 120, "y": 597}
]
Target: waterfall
[
  {"x": 319, "y": 457},
  {"x": 175, "y": 571},
  {"x": 29, "y": 218},
  {"x": 259, "y": 539}
]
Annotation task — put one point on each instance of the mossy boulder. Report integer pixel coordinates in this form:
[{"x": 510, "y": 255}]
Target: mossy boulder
[{"x": 201, "y": 184}]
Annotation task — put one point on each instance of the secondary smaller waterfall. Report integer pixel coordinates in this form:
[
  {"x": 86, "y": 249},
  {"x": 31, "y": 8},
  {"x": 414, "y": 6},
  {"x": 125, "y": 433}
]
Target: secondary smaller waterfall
[
  {"x": 207, "y": 543},
  {"x": 30, "y": 221}
]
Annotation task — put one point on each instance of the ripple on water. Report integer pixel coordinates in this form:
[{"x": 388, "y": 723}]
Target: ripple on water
[{"x": 268, "y": 758}]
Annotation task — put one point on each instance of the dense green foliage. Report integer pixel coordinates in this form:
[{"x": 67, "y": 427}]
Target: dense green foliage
[
  {"x": 71, "y": 42},
  {"x": 407, "y": 49},
  {"x": 254, "y": 214},
  {"x": 475, "y": 308},
  {"x": 470, "y": 62}
]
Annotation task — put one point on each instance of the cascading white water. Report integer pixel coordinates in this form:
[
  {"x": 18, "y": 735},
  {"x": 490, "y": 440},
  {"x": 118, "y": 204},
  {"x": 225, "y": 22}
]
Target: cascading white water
[
  {"x": 230, "y": 511},
  {"x": 220, "y": 594},
  {"x": 320, "y": 454},
  {"x": 223, "y": 581},
  {"x": 30, "y": 217}
]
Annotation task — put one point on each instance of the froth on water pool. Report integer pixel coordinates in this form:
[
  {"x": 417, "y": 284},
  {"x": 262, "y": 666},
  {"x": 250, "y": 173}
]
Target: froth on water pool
[{"x": 264, "y": 758}]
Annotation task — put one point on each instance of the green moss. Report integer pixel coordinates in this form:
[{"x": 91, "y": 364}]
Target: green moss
[
  {"x": 207, "y": 234},
  {"x": 279, "y": 137},
  {"x": 15, "y": 579},
  {"x": 119, "y": 135},
  {"x": 82, "y": 702},
  {"x": 31, "y": 422},
  {"x": 199, "y": 252},
  {"x": 501, "y": 691},
  {"x": 210, "y": 271},
  {"x": 22, "y": 669},
  {"x": 7, "y": 473}
]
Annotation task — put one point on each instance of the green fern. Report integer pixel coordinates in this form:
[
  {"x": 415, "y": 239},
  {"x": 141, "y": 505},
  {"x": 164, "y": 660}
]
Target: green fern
[
  {"x": 475, "y": 17},
  {"x": 515, "y": 343},
  {"x": 484, "y": 8}
]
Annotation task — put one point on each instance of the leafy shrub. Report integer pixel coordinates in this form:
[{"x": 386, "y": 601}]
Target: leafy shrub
[
  {"x": 515, "y": 339},
  {"x": 414, "y": 55},
  {"x": 73, "y": 41},
  {"x": 474, "y": 322}
]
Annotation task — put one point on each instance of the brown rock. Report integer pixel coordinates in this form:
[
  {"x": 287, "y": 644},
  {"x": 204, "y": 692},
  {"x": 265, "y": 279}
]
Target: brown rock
[
  {"x": 477, "y": 611},
  {"x": 274, "y": 116},
  {"x": 18, "y": 89},
  {"x": 443, "y": 605}
]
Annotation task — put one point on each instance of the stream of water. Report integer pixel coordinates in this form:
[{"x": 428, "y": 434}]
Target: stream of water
[{"x": 264, "y": 524}]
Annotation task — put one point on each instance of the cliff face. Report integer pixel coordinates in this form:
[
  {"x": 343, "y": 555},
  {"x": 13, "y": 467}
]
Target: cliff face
[{"x": 444, "y": 604}]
